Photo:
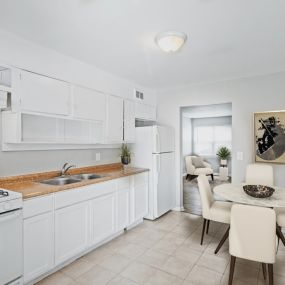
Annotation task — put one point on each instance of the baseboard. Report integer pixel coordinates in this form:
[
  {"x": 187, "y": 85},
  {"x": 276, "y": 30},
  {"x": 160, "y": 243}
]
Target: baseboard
[{"x": 178, "y": 209}]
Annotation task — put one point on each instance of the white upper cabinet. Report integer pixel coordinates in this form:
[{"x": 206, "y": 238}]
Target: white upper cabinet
[
  {"x": 42, "y": 94},
  {"x": 115, "y": 110},
  {"x": 145, "y": 112},
  {"x": 88, "y": 104},
  {"x": 129, "y": 121}
]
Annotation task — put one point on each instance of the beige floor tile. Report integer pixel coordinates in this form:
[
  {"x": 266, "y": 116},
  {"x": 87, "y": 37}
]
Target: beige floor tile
[
  {"x": 138, "y": 272},
  {"x": 153, "y": 258},
  {"x": 214, "y": 263},
  {"x": 244, "y": 273},
  {"x": 119, "y": 280},
  {"x": 201, "y": 275},
  {"x": 278, "y": 280},
  {"x": 194, "y": 241},
  {"x": 163, "y": 278},
  {"x": 98, "y": 254},
  {"x": 132, "y": 250},
  {"x": 115, "y": 263},
  {"x": 57, "y": 278},
  {"x": 177, "y": 267},
  {"x": 77, "y": 268},
  {"x": 187, "y": 253},
  {"x": 96, "y": 276}
]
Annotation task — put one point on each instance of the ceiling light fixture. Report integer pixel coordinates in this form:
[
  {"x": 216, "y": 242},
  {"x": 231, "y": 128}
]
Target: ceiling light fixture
[{"x": 170, "y": 41}]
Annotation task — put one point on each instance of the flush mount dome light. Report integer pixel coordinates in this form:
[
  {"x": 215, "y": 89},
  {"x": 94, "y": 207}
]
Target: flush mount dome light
[{"x": 170, "y": 41}]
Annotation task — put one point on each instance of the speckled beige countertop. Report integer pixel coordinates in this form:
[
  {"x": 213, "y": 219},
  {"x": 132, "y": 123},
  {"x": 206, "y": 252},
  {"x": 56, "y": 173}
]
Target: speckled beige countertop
[{"x": 30, "y": 187}]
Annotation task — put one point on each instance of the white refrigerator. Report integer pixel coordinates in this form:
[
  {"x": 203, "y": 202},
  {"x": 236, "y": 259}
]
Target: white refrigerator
[{"x": 154, "y": 149}]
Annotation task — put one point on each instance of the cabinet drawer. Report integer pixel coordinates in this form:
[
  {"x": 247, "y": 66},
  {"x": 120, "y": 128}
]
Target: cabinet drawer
[
  {"x": 141, "y": 178},
  {"x": 74, "y": 196},
  {"x": 39, "y": 205},
  {"x": 123, "y": 183}
]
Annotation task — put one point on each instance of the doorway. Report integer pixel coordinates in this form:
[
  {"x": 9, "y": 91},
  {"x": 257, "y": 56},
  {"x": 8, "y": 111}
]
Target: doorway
[{"x": 204, "y": 130}]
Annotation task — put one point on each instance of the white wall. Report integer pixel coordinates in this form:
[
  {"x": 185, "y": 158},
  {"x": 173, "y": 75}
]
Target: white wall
[
  {"x": 248, "y": 95},
  {"x": 27, "y": 55}
]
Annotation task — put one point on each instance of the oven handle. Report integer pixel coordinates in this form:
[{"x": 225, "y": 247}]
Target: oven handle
[{"x": 10, "y": 215}]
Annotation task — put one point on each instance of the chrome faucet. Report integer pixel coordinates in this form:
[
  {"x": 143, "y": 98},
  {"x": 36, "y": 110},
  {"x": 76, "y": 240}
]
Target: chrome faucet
[{"x": 65, "y": 168}]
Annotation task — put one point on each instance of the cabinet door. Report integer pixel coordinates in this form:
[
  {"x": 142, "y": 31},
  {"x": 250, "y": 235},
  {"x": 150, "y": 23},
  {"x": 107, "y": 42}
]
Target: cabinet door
[
  {"x": 71, "y": 231},
  {"x": 43, "y": 94},
  {"x": 115, "y": 120},
  {"x": 129, "y": 121},
  {"x": 145, "y": 112},
  {"x": 140, "y": 196},
  {"x": 102, "y": 217},
  {"x": 123, "y": 208},
  {"x": 38, "y": 245},
  {"x": 89, "y": 104}
]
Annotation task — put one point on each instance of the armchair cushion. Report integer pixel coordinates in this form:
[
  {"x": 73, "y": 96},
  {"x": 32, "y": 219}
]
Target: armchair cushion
[{"x": 198, "y": 162}]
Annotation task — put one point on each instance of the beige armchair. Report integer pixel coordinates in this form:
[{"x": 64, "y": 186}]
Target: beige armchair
[{"x": 193, "y": 172}]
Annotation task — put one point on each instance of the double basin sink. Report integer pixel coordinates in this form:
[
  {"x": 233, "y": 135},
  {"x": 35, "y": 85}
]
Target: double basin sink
[{"x": 69, "y": 179}]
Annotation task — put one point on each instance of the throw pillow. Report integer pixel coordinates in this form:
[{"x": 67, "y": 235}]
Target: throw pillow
[{"x": 198, "y": 162}]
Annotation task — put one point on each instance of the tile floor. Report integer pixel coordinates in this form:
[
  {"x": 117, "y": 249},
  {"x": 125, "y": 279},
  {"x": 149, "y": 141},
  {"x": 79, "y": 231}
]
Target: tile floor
[{"x": 165, "y": 252}]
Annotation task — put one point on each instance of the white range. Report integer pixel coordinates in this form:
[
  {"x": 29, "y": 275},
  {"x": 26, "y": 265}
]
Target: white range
[{"x": 11, "y": 237}]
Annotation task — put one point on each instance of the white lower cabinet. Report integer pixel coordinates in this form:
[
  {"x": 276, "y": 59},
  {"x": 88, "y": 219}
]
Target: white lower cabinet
[
  {"x": 140, "y": 195},
  {"x": 38, "y": 246},
  {"x": 123, "y": 206},
  {"x": 62, "y": 226},
  {"x": 71, "y": 231},
  {"x": 103, "y": 218}
]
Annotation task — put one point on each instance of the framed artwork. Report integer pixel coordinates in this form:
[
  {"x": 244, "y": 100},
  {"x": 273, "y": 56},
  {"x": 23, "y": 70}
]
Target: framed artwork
[{"x": 269, "y": 134}]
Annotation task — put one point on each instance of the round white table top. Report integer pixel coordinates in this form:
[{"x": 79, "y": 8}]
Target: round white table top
[{"x": 235, "y": 193}]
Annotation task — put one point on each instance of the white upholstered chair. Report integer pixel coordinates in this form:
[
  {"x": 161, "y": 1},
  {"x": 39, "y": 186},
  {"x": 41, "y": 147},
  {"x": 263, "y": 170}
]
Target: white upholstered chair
[
  {"x": 212, "y": 210},
  {"x": 253, "y": 237},
  {"x": 261, "y": 174},
  {"x": 193, "y": 171}
]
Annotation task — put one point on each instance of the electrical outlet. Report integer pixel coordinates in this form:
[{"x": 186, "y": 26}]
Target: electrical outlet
[{"x": 98, "y": 156}]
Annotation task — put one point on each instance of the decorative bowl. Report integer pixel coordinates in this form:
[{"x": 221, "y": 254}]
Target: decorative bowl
[{"x": 258, "y": 191}]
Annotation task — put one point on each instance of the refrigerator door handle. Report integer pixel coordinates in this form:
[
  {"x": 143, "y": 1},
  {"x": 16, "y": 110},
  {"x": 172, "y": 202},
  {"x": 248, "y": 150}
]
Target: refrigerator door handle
[
  {"x": 158, "y": 163},
  {"x": 157, "y": 142}
]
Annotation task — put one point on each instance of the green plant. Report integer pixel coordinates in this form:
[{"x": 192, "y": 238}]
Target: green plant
[
  {"x": 125, "y": 151},
  {"x": 224, "y": 153}
]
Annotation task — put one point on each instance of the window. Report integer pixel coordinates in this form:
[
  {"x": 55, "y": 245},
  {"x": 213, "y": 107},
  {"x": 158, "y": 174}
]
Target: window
[{"x": 208, "y": 139}]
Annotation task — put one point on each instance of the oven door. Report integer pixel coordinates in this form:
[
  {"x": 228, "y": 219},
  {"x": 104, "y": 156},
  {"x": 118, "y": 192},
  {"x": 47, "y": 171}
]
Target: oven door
[{"x": 11, "y": 246}]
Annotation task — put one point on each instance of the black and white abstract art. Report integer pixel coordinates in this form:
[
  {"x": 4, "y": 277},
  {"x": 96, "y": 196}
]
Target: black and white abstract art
[{"x": 269, "y": 133}]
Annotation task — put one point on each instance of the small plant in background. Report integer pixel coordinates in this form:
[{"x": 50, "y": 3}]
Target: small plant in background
[
  {"x": 224, "y": 154},
  {"x": 125, "y": 154}
]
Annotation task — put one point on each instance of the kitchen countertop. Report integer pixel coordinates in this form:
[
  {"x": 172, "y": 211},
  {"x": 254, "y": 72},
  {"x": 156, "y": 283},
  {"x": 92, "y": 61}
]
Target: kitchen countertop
[{"x": 30, "y": 187}]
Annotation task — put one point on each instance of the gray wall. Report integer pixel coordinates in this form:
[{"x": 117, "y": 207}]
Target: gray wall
[{"x": 248, "y": 95}]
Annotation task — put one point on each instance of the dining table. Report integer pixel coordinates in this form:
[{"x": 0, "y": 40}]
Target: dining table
[{"x": 235, "y": 193}]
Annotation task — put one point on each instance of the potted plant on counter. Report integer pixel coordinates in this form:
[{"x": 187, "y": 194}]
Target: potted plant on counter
[
  {"x": 224, "y": 154},
  {"x": 125, "y": 154}
]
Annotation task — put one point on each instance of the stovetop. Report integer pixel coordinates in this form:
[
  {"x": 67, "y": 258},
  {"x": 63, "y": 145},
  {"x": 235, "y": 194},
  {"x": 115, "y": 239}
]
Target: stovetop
[{"x": 7, "y": 195}]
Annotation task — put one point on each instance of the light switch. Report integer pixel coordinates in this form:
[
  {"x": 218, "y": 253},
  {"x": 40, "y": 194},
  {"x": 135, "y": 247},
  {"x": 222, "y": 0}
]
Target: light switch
[
  {"x": 98, "y": 156},
  {"x": 239, "y": 155}
]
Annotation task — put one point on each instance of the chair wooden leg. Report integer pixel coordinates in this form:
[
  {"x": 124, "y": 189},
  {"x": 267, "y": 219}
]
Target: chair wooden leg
[
  {"x": 264, "y": 271},
  {"x": 224, "y": 238},
  {"x": 280, "y": 234},
  {"x": 232, "y": 269},
  {"x": 203, "y": 231},
  {"x": 208, "y": 225},
  {"x": 212, "y": 175},
  {"x": 187, "y": 177},
  {"x": 270, "y": 273}
]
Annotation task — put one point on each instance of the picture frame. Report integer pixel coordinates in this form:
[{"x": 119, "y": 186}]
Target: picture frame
[{"x": 269, "y": 137}]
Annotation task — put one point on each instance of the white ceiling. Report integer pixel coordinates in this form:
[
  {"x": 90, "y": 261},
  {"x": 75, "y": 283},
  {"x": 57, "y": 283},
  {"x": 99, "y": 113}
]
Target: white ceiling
[{"x": 226, "y": 38}]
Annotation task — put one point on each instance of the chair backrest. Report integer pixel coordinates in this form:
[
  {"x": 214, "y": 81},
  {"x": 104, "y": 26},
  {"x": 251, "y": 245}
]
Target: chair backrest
[
  {"x": 259, "y": 174},
  {"x": 253, "y": 233},
  {"x": 190, "y": 168},
  {"x": 206, "y": 195}
]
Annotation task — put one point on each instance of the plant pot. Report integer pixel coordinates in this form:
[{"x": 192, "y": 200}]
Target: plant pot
[
  {"x": 224, "y": 162},
  {"x": 125, "y": 160}
]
